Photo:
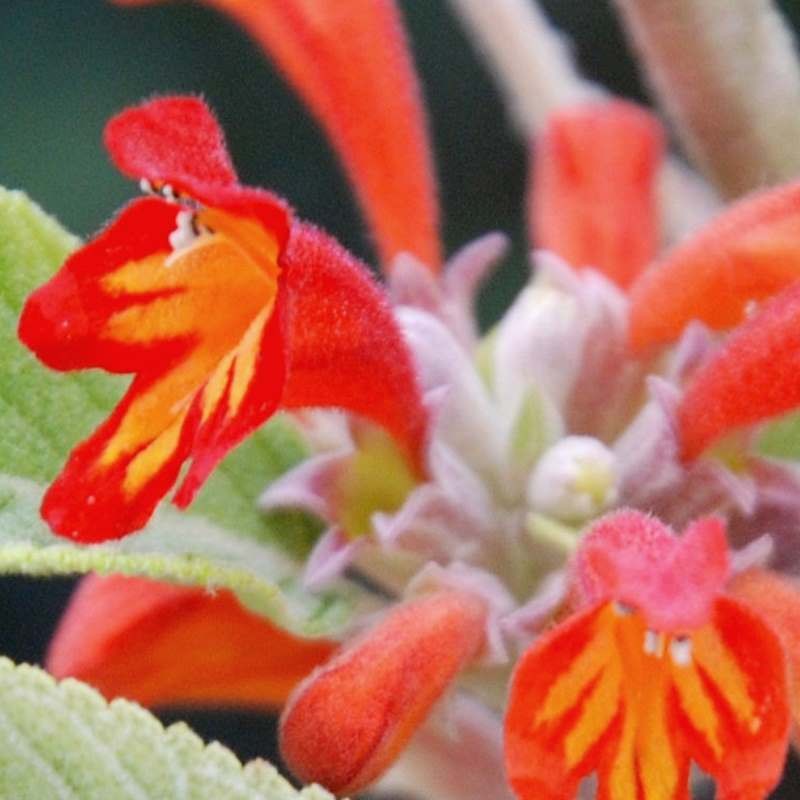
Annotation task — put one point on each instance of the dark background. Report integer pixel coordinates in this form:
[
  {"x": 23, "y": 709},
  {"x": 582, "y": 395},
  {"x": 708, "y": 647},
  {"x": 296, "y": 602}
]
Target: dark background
[{"x": 66, "y": 66}]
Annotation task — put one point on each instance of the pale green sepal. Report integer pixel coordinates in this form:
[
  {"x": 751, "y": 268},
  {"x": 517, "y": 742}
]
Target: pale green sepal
[
  {"x": 63, "y": 741},
  {"x": 178, "y": 548},
  {"x": 781, "y": 439}
]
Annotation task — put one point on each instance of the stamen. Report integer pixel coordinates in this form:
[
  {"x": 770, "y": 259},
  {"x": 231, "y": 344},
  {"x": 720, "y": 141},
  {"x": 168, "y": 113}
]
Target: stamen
[
  {"x": 622, "y": 610},
  {"x": 680, "y": 650},
  {"x": 186, "y": 231},
  {"x": 168, "y": 192},
  {"x": 146, "y": 187},
  {"x": 654, "y": 643}
]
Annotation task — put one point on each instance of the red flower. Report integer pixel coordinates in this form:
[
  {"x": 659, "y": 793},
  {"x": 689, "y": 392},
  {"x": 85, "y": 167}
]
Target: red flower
[
  {"x": 659, "y": 667},
  {"x": 224, "y": 307}
]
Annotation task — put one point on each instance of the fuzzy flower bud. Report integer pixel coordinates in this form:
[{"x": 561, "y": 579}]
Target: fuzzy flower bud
[{"x": 574, "y": 480}]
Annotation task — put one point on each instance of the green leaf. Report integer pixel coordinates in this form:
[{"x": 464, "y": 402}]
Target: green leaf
[
  {"x": 179, "y": 548},
  {"x": 63, "y": 740},
  {"x": 44, "y": 414}
]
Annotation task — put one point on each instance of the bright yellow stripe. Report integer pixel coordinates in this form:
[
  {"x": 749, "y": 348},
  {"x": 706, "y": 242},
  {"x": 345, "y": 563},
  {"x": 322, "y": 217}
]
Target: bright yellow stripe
[
  {"x": 245, "y": 364},
  {"x": 596, "y": 715},
  {"x": 656, "y": 759},
  {"x": 715, "y": 658},
  {"x": 564, "y": 693},
  {"x": 214, "y": 389},
  {"x": 622, "y": 780},
  {"x": 697, "y": 705},
  {"x": 150, "y": 460}
]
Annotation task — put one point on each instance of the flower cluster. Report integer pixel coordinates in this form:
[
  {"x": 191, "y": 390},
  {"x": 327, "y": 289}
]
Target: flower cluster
[{"x": 511, "y": 498}]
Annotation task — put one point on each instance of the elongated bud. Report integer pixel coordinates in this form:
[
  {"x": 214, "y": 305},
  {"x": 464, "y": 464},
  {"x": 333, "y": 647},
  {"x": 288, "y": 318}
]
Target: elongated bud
[
  {"x": 161, "y": 644},
  {"x": 349, "y": 720},
  {"x": 593, "y": 193}
]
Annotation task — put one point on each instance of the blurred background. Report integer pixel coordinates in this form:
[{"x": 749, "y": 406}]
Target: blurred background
[{"x": 65, "y": 67}]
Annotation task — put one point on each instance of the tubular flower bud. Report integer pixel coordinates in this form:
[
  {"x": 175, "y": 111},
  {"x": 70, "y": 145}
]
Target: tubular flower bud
[{"x": 347, "y": 722}]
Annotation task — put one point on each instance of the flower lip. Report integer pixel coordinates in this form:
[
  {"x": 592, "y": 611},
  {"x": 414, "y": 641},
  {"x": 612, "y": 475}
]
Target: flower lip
[
  {"x": 176, "y": 146},
  {"x": 639, "y": 562}
]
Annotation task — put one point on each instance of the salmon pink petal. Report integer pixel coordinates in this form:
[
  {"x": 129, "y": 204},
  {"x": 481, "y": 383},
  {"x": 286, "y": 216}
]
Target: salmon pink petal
[
  {"x": 160, "y": 644},
  {"x": 753, "y": 377},
  {"x": 345, "y": 348},
  {"x": 348, "y": 721},
  {"x": 351, "y": 64},
  {"x": 173, "y": 140},
  {"x": 592, "y": 197},
  {"x": 637, "y": 560},
  {"x": 749, "y": 253}
]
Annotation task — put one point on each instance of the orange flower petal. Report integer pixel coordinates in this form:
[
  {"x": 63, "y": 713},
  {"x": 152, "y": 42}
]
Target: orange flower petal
[
  {"x": 207, "y": 373},
  {"x": 592, "y": 197},
  {"x": 753, "y": 377},
  {"x": 777, "y": 599},
  {"x": 750, "y": 252},
  {"x": 349, "y": 720},
  {"x": 601, "y": 693},
  {"x": 160, "y": 644}
]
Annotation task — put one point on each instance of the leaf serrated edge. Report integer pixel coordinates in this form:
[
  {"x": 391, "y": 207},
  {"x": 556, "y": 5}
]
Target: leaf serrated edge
[{"x": 258, "y": 775}]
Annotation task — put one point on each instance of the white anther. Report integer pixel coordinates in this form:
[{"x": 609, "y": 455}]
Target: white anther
[
  {"x": 185, "y": 233},
  {"x": 654, "y": 643},
  {"x": 576, "y": 479},
  {"x": 168, "y": 192},
  {"x": 680, "y": 650},
  {"x": 146, "y": 186}
]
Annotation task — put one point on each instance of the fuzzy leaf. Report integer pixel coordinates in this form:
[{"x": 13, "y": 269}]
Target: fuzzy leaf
[
  {"x": 62, "y": 740},
  {"x": 43, "y": 414},
  {"x": 175, "y": 547}
]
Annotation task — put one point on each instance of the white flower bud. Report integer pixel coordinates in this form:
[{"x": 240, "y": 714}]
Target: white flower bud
[{"x": 575, "y": 480}]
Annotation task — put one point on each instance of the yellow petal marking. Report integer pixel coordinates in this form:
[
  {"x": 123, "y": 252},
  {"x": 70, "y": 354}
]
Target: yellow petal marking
[
  {"x": 564, "y": 693},
  {"x": 216, "y": 292},
  {"x": 697, "y": 706},
  {"x": 597, "y": 713},
  {"x": 723, "y": 669},
  {"x": 148, "y": 461}
]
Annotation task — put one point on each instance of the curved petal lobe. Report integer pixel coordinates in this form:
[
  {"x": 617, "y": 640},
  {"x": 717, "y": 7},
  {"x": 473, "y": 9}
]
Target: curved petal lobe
[
  {"x": 345, "y": 348},
  {"x": 173, "y": 140},
  {"x": 746, "y": 255}
]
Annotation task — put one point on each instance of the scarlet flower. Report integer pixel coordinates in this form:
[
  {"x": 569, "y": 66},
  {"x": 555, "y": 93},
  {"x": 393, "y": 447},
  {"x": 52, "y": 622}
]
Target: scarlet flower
[
  {"x": 224, "y": 306},
  {"x": 658, "y": 666},
  {"x": 594, "y": 392}
]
